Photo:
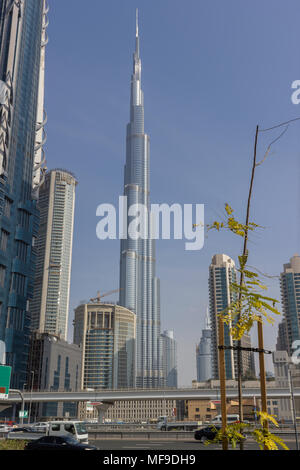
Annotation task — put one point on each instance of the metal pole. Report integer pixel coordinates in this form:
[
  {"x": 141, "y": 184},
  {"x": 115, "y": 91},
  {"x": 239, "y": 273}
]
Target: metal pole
[
  {"x": 293, "y": 405},
  {"x": 222, "y": 374},
  {"x": 31, "y": 390},
  {"x": 22, "y": 406},
  {"x": 254, "y": 409},
  {"x": 263, "y": 389}
]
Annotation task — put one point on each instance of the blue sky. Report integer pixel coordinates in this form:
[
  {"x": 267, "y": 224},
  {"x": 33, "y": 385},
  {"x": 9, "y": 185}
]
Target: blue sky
[{"x": 212, "y": 70}]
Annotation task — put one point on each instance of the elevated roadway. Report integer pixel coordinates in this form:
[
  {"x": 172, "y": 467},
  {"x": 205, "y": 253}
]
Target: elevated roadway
[{"x": 143, "y": 394}]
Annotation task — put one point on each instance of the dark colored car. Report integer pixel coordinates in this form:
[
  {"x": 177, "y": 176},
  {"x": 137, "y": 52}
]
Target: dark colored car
[
  {"x": 209, "y": 433},
  {"x": 57, "y": 443},
  {"x": 24, "y": 429}
]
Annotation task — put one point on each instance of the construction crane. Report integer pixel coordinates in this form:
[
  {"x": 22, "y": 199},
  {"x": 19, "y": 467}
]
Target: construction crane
[{"x": 99, "y": 297}]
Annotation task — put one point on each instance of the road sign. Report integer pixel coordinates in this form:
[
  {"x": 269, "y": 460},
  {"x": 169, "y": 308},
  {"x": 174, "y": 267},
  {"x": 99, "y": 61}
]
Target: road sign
[
  {"x": 23, "y": 414},
  {"x": 5, "y": 373}
]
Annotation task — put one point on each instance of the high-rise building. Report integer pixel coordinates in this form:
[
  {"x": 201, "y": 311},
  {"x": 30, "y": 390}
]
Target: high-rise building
[
  {"x": 53, "y": 365},
  {"x": 22, "y": 59},
  {"x": 290, "y": 299},
  {"x": 222, "y": 272},
  {"x": 203, "y": 354},
  {"x": 138, "y": 282},
  {"x": 50, "y": 305},
  {"x": 106, "y": 333},
  {"x": 282, "y": 343},
  {"x": 169, "y": 358}
]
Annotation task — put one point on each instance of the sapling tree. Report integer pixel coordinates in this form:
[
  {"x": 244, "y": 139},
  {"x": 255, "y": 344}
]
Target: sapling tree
[{"x": 250, "y": 303}]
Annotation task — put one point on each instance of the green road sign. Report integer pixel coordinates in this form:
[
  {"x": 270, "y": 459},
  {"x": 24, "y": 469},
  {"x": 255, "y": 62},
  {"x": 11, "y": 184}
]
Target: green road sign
[
  {"x": 5, "y": 373},
  {"x": 23, "y": 414}
]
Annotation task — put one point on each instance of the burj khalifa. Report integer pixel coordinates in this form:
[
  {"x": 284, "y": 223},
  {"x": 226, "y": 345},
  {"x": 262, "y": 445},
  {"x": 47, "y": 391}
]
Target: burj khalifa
[{"x": 139, "y": 286}]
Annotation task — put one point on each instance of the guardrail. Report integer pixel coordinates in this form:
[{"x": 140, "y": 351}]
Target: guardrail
[
  {"x": 109, "y": 426},
  {"x": 143, "y": 435},
  {"x": 160, "y": 435},
  {"x": 123, "y": 435}
]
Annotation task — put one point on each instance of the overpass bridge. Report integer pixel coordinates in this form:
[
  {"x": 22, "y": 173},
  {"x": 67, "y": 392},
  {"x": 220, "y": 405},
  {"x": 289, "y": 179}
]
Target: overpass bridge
[{"x": 144, "y": 394}]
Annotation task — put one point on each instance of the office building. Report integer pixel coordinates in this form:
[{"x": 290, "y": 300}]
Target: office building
[
  {"x": 106, "y": 333},
  {"x": 22, "y": 62},
  {"x": 169, "y": 358},
  {"x": 282, "y": 343},
  {"x": 131, "y": 411},
  {"x": 284, "y": 379},
  {"x": 50, "y": 305},
  {"x": 138, "y": 282},
  {"x": 222, "y": 272},
  {"x": 203, "y": 354},
  {"x": 53, "y": 365},
  {"x": 290, "y": 299}
]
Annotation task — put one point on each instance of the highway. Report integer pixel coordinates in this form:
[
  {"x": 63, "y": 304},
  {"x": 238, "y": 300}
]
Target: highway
[
  {"x": 172, "y": 444},
  {"x": 160, "y": 441}
]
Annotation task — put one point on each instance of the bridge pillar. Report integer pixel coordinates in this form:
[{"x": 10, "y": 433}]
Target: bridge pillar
[{"x": 102, "y": 408}]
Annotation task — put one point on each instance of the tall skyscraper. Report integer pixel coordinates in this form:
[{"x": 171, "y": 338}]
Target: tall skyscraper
[
  {"x": 222, "y": 272},
  {"x": 290, "y": 299},
  {"x": 50, "y": 305},
  {"x": 22, "y": 52},
  {"x": 106, "y": 333},
  {"x": 203, "y": 354},
  {"x": 138, "y": 283},
  {"x": 169, "y": 358},
  {"x": 282, "y": 342}
]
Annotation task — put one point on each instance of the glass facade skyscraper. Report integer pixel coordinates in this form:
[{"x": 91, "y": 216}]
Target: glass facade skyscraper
[
  {"x": 169, "y": 359},
  {"x": 222, "y": 272},
  {"x": 139, "y": 285},
  {"x": 50, "y": 305},
  {"x": 203, "y": 354},
  {"x": 290, "y": 299},
  {"x": 106, "y": 333},
  {"x": 22, "y": 43}
]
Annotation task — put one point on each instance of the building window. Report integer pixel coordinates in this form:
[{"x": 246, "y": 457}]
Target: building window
[
  {"x": 24, "y": 219},
  {"x": 7, "y": 207},
  {"x": 18, "y": 283},
  {"x": 2, "y": 275},
  {"x": 21, "y": 250},
  {"x": 4, "y": 240}
]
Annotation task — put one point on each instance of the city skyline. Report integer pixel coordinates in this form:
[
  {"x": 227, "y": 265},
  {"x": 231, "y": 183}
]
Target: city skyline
[{"x": 185, "y": 113}]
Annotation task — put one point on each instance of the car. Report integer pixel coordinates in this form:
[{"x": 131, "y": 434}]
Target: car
[
  {"x": 4, "y": 428},
  {"x": 207, "y": 433},
  {"x": 22, "y": 429},
  {"x": 40, "y": 427},
  {"x": 210, "y": 432},
  {"x": 57, "y": 443}
]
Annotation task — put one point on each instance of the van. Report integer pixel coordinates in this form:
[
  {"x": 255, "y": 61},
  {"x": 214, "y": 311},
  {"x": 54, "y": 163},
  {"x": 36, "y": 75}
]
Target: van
[
  {"x": 75, "y": 429},
  {"x": 230, "y": 419}
]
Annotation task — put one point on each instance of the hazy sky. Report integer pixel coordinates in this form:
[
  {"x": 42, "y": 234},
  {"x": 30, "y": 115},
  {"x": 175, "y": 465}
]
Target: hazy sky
[{"x": 212, "y": 70}]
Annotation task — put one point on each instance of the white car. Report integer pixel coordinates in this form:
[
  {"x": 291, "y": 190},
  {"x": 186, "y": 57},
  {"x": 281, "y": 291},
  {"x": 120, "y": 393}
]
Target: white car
[
  {"x": 4, "y": 428},
  {"x": 40, "y": 427}
]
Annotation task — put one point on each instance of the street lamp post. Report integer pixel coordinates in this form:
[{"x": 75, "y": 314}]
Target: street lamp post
[
  {"x": 31, "y": 390},
  {"x": 22, "y": 400}
]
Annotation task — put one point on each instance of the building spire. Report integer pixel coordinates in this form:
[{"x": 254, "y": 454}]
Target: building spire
[
  {"x": 137, "y": 38},
  {"x": 207, "y": 319},
  {"x": 137, "y": 23}
]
